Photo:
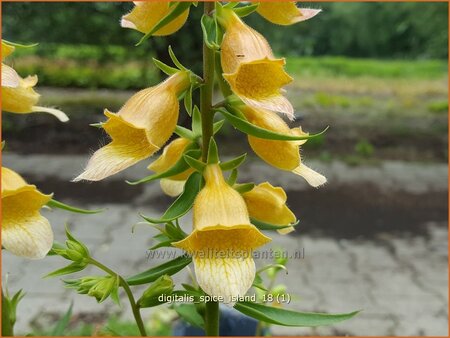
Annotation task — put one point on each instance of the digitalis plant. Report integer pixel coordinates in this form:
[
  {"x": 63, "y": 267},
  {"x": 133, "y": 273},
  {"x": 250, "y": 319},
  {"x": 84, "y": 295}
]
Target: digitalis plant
[{"x": 230, "y": 219}]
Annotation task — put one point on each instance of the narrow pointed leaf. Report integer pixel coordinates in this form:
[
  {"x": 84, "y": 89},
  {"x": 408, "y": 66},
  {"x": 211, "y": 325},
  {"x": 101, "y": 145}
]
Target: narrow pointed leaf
[
  {"x": 233, "y": 177},
  {"x": 234, "y": 163},
  {"x": 177, "y": 10},
  {"x": 188, "y": 101},
  {"x": 267, "y": 226},
  {"x": 194, "y": 163},
  {"x": 63, "y": 323},
  {"x": 183, "y": 203},
  {"x": 217, "y": 126},
  {"x": 246, "y": 10},
  {"x": 19, "y": 45},
  {"x": 184, "y": 132},
  {"x": 196, "y": 122},
  {"x": 168, "y": 268},
  {"x": 175, "y": 59},
  {"x": 250, "y": 129},
  {"x": 189, "y": 313},
  {"x": 74, "y": 267},
  {"x": 165, "y": 68},
  {"x": 243, "y": 188},
  {"x": 285, "y": 317},
  {"x": 176, "y": 169},
  {"x": 213, "y": 152},
  {"x": 56, "y": 204}
]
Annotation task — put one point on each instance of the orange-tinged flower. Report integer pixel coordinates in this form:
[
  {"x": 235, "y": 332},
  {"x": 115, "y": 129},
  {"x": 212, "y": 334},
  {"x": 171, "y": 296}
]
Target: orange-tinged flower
[
  {"x": 18, "y": 95},
  {"x": 172, "y": 186},
  {"x": 25, "y": 232},
  {"x": 140, "y": 128},
  {"x": 251, "y": 69},
  {"x": 268, "y": 204},
  {"x": 283, "y": 155},
  {"x": 146, "y": 14},
  {"x": 285, "y": 13},
  {"x": 222, "y": 240}
]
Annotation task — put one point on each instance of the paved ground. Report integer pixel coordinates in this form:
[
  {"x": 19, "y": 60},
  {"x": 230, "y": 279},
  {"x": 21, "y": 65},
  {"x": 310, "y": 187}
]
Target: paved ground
[{"x": 399, "y": 280}]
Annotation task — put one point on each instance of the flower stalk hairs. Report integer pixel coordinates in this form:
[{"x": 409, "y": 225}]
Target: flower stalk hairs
[{"x": 230, "y": 218}]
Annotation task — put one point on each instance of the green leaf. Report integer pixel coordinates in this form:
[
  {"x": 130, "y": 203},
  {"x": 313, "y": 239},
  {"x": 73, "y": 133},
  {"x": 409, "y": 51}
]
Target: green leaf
[
  {"x": 188, "y": 312},
  {"x": 19, "y": 45},
  {"x": 243, "y": 188},
  {"x": 272, "y": 266},
  {"x": 233, "y": 177},
  {"x": 62, "y": 323},
  {"x": 188, "y": 101},
  {"x": 183, "y": 203},
  {"x": 251, "y": 129},
  {"x": 217, "y": 126},
  {"x": 196, "y": 122},
  {"x": 267, "y": 226},
  {"x": 184, "y": 132},
  {"x": 175, "y": 59},
  {"x": 258, "y": 282},
  {"x": 3, "y": 144},
  {"x": 97, "y": 125},
  {"x": 209, "y": 31},
  {"x": 56, "y": 204},
  {"x": 168, "y": 268},
  {"x": 194, "y": 163},
  {"x": 213, "y": 152},
  {"x": 231, "y": 4},
  {"x": 285, "y": 317},
  {"x": 165, "y": 68},
  {"x": 72, "y": 268},
  {"x": 234, "y": 163},
  {"x": 177, "y": 10},
  {"x": 245, "y": 10},
  {"x": 176, "y": 169}
]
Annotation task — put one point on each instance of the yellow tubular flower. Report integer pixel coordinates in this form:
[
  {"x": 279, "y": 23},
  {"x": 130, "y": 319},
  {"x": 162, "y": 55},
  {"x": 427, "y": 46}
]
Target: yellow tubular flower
[
  {"x": 222, "y": 240},
  {"x": 25, "y": 232},
  {"x": 250, "y": 67},
  {"x": 172, "y": 186},
  {"x": 18, "y": 95},
  {"x": 146, "y": 14},
  {"x": 139, "y": 129},
  {"x": 285, "y": 13},
  {"x": 283, "y": 155},
  {"x": 267, "y": 203}
]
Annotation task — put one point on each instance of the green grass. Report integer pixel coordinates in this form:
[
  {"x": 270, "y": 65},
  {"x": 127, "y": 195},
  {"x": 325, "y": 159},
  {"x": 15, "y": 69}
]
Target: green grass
[{"x": 350, "y": 67}]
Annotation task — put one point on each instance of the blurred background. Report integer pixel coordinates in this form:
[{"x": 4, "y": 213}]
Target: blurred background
[{"x": 374, "y": 238}]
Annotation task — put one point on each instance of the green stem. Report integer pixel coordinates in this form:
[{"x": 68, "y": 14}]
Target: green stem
[
  {"x": 126, "y": 287},
  {"x": 206, "y": 92},
  {"x": 212, "y": 319}
]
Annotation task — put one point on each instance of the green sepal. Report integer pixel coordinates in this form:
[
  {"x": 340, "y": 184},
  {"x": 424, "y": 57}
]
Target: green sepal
[
  {"x": 243, "y": 188},
  {"x": 174, "y": 232},
  {"x": 3, "y": 144},
  {"x": 176, "y": 169},
  {"x": 97, "y": 125},
  {"x": 188, "y": 312},
  {"x": 188, "y": 100},
  {"x": 56, "y": 204},
  {"x": 267, "y": 226},
  {"x": 246, "y": 10},
  {"x": 183, "y": 203},
  {"x": 19, "y": 45},
  {"x": 71, "y": 268},
  {"x": 279, "y": 316},
  {"x": 277, "y": 267},
  {"x": 258, "y": 282},
  {"x": 194, "y": 163},
  {"x": 177, "y": 10},
  {"x": 168, "y": 268},
  {"x": 175, "y": 60},
  {"x": 217, "y": 126},
  {"x": 58, "y": 249},
  {"x": 233, "y": 177},
  {"x": 165, "y": 68},
  {"x": 213, "y": 152},
  {"x": 250, "y": 129},
  {"x": 209, "y": 31},
  {"x": 196, "y": 122},
  {"x": 234, "y": 163},
  {"x": 184, "y": 132}
]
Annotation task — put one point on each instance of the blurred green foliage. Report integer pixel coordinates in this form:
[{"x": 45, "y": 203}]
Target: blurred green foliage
[{"x": 376, "y": 29}]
